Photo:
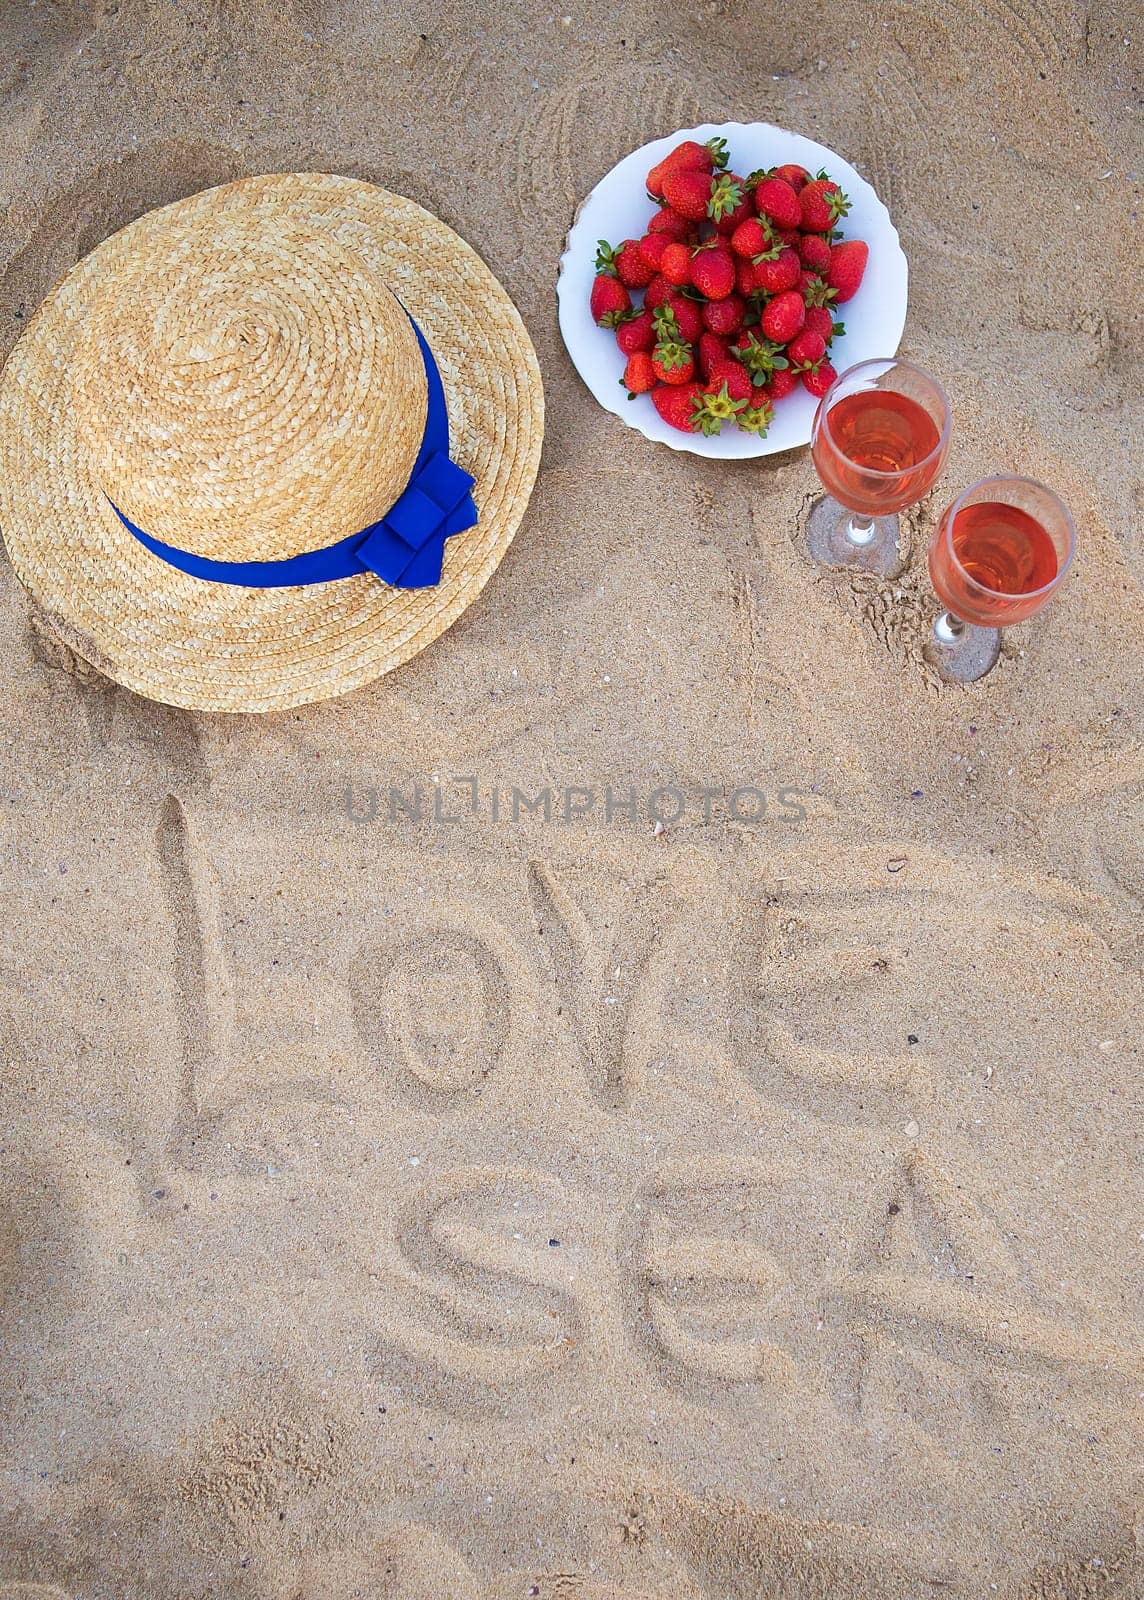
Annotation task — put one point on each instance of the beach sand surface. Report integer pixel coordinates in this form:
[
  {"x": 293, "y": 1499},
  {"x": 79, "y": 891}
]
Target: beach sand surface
[{"x": 492, "y": 1208}]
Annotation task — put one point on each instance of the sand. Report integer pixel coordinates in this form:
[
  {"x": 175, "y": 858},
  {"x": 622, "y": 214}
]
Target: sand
[{"x": 497, "y": 1208}]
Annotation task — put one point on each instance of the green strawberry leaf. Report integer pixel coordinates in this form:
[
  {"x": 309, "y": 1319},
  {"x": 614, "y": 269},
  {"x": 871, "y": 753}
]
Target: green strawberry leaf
[
  {"x": 726, "y": 194},
  {"x": 756, "y": 419},
  {"x": 672, "y": 355},
  {"x": 665, "y": 325}
]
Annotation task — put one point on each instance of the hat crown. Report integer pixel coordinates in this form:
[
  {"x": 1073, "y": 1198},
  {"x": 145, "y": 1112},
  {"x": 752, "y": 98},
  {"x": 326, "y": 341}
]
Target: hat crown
[{"x": 251, "y": 394}]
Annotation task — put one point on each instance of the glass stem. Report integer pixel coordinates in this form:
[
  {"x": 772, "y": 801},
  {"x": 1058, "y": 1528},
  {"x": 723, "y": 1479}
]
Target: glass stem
[
  {"x": 948, "y": 629},
  {"x": 860, "y": 530}
]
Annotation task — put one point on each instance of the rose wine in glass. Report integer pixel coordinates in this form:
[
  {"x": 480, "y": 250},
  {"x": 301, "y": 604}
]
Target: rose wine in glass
[
  {"x": 999, "y": 553},
  {"x": 879, "y": 441}
]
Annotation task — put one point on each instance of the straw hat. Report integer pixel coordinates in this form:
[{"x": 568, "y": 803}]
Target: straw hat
[{"x": 246, "y": 376}]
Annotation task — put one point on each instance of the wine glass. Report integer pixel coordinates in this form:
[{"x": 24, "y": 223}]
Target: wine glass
[
  {"x": 879, "y": 442},
  {"x": 999, "y": 553}
]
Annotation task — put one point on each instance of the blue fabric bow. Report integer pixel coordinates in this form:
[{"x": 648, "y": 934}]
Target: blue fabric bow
[{"x": 405, "y": 548}]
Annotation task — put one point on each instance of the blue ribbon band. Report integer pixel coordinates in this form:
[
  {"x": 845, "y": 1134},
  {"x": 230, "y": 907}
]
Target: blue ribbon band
[{"x": 405, "y": 548}]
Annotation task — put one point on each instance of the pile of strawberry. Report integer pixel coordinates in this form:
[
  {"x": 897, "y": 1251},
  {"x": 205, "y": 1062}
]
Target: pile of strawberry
[{"x": 739, "y": 278}]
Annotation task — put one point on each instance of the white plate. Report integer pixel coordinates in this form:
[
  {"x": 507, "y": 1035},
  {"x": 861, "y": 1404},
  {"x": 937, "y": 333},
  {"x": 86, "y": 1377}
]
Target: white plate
[{"x": 618, "y": 208}]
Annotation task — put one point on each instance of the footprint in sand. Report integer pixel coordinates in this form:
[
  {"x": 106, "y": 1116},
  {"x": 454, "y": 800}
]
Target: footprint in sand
[{"x": 471, "y": 1292}]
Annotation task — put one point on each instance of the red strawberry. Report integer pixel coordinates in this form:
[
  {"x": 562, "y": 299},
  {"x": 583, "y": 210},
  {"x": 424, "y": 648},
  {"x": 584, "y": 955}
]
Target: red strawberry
[
  {"x": 610, "y": 302},
  {"x": 711, "y": 349},
  {"x": 774, "y": 198},
  {"x": 821, "y": 203},
  {"x": 713, "y": 270},
  {"x": 675, "y": 264},
  {"x": 731, "y": 375},
  {"x": 669, "y": 222},
  {"x": 806, "y": 349},
  {"x": 744, "y": 277},
  {"x": 638, "y": 333},
  {"x": 657, "y": 292},
  {"x": 725, "y": 316},
  {"x": 652, "y": 246},
  {"x": 818, "y": 379},
  {"x": 731, "y": 204},
  {"x": 639, "y": 374},
  {"x": 783, "y": 317},
  {"x": 847, "y": 265},
  {"x": 793, "y": 174},
  {"x": 677, "y": 404},
  {"x": 772, "y": 277},
  {"x": 635, "y": 271},
  {"x": 691, "y": 194},
  {"x": 751, "y": 238},
  {"x": 781, "y": 382},
  {"x": 673, "y": 362},
  {"x": 627, "y": 263},
  {"x": 690, "y": 156},
  {"x": 814, "y": 251},
  {"x": 701, "y": 198},
  {"x": 819, "y": 318},
  {"x": 789, "y": 236},
  {"x": 688, "y": 317}
]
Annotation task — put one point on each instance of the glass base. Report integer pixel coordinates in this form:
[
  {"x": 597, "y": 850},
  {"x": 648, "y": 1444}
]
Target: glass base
[
  {"x": 836, "y": 537},
  {"x": 961, "y": 652}
]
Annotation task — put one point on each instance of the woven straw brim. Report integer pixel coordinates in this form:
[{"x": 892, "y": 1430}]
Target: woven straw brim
[{"x": 218, "y": 647}]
